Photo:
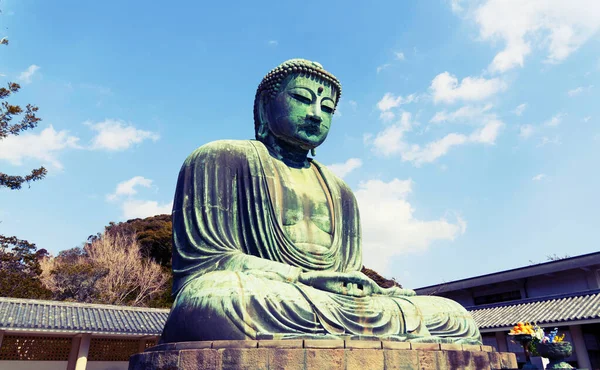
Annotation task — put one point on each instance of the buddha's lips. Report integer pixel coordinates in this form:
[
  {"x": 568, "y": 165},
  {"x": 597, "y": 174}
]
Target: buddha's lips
[{"x": 311, "y": 128}]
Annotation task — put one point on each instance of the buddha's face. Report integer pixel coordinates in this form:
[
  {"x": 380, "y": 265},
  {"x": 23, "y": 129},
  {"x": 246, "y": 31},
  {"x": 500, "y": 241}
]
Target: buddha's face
[{"x": 300, "y": 114}]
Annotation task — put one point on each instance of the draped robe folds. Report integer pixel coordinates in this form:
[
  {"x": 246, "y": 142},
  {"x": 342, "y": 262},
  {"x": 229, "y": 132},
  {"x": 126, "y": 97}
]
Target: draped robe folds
[{"x": 235, "y": 270}]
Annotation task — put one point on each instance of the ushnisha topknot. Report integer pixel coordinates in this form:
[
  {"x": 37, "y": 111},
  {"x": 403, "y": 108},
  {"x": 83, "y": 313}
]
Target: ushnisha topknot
[{"x": 271, "y": 83}]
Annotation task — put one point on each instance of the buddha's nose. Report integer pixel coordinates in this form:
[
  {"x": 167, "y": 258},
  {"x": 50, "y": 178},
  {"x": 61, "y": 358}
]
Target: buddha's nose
[{"x": 315, "y": 114}]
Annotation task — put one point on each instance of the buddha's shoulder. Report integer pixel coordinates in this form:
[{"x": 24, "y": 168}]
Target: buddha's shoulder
[{"x": 224, "y": 149}]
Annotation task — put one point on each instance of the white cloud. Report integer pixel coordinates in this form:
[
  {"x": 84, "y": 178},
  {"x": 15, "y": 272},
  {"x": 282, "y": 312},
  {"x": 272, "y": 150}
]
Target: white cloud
[
  {"x": 464, "y": 113},
  {"x": 560, "y": 27},
  {"x": 116, "y": 135},
  {"x": 391, "y": 140},
  {"x": 128, "y": 187},
  {"x": 520, "y": 109},
  {"x": 526, "y": 131},
  {"x": 555, "y": 120},
  {"x": 488, "y": 133},
  {"x": 382, "y": 67},
  {"x": 445, "y": 88},
  {"x": 389, "y": 101},
  {"x": 587, "y": 118},
  {"x": 549, "y": 140},
  {"x": 456, "y": 6},
  {"x": 343, "y": 169},
  {"x": 387, "y": 116},
  {"x": 145, "y": 208},
  {"x": 399, "y": 55},
  {"x": 390, "y": 227},
  {"x": 273, "y": 43},
  {"x": 579, "y": 90},
  {"x": 42, "y": 147},
  {"x": 538, "y": 177},
  {"x": 353, "y": 104},
  {"x": 26, "y": 75},
  {"x": 433, "y": 150}
]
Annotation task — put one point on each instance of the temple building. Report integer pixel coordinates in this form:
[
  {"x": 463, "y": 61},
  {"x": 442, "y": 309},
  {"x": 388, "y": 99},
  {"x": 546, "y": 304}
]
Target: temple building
[
  {"x": 52, "y": 335},
  {"x": 563, "y": 294}
]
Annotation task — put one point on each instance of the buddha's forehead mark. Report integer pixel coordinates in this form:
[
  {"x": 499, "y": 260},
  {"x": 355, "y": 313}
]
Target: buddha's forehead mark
[{"x": 320, "y": 90}]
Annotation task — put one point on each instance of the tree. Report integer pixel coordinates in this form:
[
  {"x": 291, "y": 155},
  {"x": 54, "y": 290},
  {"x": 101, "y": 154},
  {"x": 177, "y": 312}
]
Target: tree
[
  {"x": 153, "y": 233},
  {"x": 20, "y": 266},
  {"x": 110, "y": 269},
  {"x": 19, "y": 259},
  {"x": 71, "y": 276}
]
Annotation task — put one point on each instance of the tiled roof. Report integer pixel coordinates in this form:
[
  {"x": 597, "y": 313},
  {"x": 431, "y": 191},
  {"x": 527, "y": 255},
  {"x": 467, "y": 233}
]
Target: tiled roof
[
  {"x": 550, "y": 309},
  {"x": 68, "y": 317}
]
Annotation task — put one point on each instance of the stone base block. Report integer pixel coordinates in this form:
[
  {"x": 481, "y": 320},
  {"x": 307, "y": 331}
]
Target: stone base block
[{"x": 308, "y": 355}]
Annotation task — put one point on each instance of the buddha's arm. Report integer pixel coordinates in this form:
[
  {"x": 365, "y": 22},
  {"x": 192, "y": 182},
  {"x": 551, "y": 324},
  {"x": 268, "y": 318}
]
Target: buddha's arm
[
  {"x": 263, "y": 267},
  {"x": 353, "y": 283}
]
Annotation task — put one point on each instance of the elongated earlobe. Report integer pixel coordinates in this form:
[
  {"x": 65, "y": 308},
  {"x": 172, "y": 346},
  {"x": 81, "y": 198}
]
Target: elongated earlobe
[
  {"x": 262, "y": 131},
  {"x": 313, "y": 152}
]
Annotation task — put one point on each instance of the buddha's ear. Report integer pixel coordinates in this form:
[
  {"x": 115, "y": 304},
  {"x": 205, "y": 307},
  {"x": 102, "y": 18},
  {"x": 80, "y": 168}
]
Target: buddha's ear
[{"x": 263, "y": 125}]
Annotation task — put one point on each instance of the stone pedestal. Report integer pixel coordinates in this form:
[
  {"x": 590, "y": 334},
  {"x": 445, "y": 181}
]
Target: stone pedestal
[{"x": 319, "y": 355}]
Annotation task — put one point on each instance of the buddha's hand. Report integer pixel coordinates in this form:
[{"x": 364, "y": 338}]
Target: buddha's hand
[
  {"x": 354, "y": 283},
  {"x": 396, "y": 292}
]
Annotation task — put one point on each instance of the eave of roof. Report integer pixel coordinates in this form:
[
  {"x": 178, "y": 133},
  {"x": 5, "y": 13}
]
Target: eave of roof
[
  {"x": 582, "y": 261},
  {"x": 544, "y": 310},
  {"x": 71, "y": 317}
]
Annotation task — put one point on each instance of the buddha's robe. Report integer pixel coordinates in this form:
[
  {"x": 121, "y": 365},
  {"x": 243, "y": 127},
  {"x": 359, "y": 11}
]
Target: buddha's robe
[{"x": 235, "y": 270}]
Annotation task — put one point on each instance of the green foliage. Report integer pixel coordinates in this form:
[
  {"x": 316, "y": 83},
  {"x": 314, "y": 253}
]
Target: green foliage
[
  {"x": 19, "y": 259},
  {"x": 29, "y": 121},
  {"x": 153, "y": 234},
  {"x": 20, "y": 266}
]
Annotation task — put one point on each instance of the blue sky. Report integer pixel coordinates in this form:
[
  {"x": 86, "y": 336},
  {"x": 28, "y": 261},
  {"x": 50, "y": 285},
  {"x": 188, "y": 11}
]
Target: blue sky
[{"x": 469, "y": 130}]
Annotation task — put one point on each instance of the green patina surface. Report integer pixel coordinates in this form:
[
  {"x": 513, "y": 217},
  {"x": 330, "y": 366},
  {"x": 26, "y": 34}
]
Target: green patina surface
[{"x": 267, "y": 241}]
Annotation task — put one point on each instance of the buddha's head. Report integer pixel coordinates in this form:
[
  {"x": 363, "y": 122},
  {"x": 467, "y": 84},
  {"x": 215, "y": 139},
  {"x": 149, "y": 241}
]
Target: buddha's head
[{"x": 295, "y": 103}]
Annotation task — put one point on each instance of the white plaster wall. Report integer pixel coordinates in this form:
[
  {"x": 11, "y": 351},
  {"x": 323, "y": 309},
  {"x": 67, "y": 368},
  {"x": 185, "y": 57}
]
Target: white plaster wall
[
  {"x": 107, "y": 365},
  {"x": 33, "y": 365}
]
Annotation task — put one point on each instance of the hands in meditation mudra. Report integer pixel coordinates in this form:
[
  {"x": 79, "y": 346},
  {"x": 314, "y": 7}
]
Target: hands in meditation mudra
[{"x": 266, "y": 241}]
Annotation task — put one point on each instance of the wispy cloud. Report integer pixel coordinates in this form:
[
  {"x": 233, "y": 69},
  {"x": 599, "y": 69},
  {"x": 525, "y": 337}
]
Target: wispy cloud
[
  {"x": 555, "y": 120},
  {"x": 26, "y": 75},
  {"x": 43, "y": 147},
  {"x": 115, "y": 135},
  {"x": 145, "y": 208},
  {"x": 392, "y": 141},
  {"x": 343, "y": 169},
  {"x": 273, "y": 43},
  {"x": 520, "y": 109},
  {"x": 445, "y": 88},
  {"x": 382, "y": 67},
  {"x": 525, "y": 131},
  {"x": 549, "y": 140},
  {"x": 390, "y": 101},
  {"x": 131, "y": 207},
  {"x": 579, "y": 90},
  {"x": 467, "y": 112},
  {"x": 128, "y": 187},
  {"x": 538, "y": 177},
  {"x": 399, "y": 55}
]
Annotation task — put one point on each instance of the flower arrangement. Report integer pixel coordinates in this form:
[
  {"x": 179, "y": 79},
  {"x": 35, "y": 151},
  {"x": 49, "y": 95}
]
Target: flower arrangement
[
  {"x": 553, "y": 337},
  {"x": 537, "y": 336}
]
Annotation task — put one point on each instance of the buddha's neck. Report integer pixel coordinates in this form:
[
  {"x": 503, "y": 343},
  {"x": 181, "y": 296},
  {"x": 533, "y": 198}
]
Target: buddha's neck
[{"x": 292, "y": 156}]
